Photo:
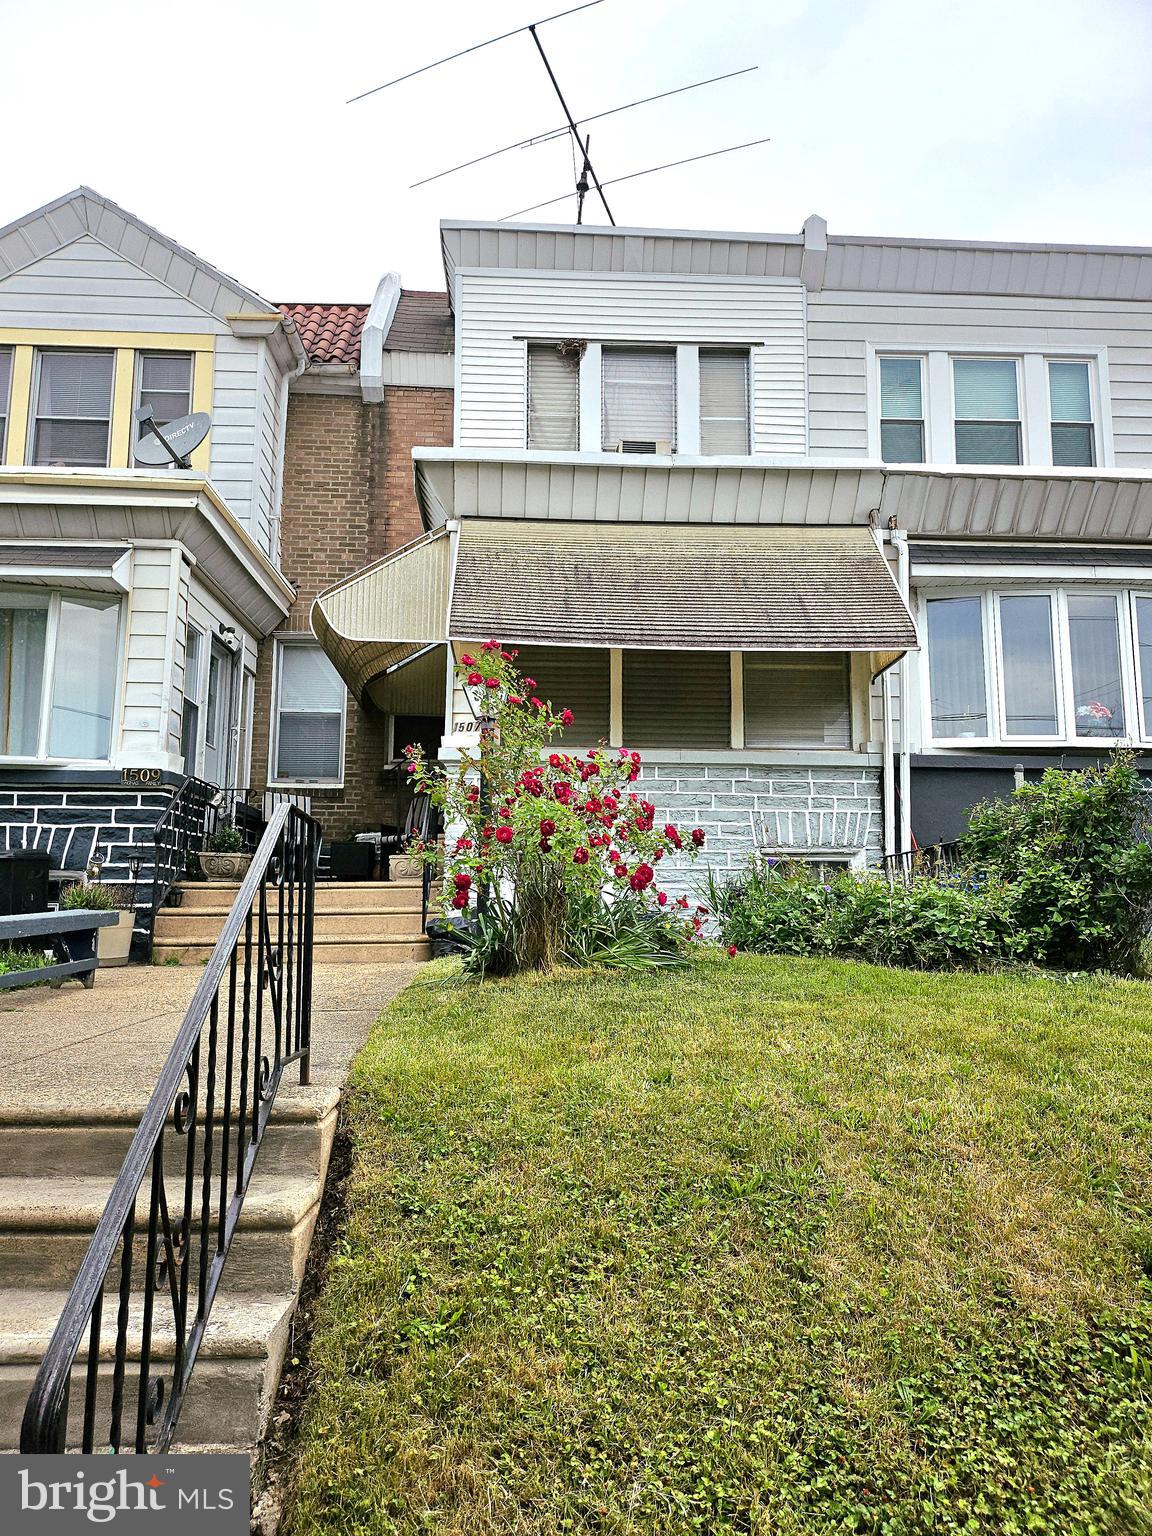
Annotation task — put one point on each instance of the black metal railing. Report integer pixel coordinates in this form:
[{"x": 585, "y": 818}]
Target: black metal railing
[
  {"x": 180, "y": 831},
  {"x": 160, "y": 1247},
  {"x": 936, "y": 859}
]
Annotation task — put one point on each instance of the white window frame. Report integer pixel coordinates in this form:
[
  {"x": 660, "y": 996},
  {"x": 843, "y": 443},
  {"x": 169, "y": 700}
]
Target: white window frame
[
  {"x": 282, "y": 642},
  {"x": 138, "y": 385},
  {"x": 1136, "y": 729},
  {"x": 51, "y": 634},
  {"x": 34, "y": 417},
  {"x": 192, "y": 766},
  {"x": 1019, "y": 420},
  {"x": 1034, "y": 399}
]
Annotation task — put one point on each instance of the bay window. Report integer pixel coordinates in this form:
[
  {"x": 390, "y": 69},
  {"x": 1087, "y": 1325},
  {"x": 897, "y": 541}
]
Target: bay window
[
  {"x": 309, "y": 716},
  {"x": 73, "y": 408},
  {"x": 1071, "y": 665},
  {"x": 59, "y": 667},
  {"x": 638, "y": 400}
]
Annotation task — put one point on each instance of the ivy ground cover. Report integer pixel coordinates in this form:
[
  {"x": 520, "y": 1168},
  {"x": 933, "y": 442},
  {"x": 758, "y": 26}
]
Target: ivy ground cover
[{"x": 768, "y": 1245}]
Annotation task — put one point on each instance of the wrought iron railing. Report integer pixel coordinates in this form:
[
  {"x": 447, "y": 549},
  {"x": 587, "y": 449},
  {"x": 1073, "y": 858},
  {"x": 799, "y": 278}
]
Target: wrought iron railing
[
  {"x": 936, "y": 859},
  {"x": 180, "y": 831},
  {"x": 161, "y": 1245}
]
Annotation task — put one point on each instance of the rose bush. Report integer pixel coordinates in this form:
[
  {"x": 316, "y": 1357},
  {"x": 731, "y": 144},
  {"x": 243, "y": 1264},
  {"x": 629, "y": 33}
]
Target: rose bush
[{"x": 542, "y": 844}]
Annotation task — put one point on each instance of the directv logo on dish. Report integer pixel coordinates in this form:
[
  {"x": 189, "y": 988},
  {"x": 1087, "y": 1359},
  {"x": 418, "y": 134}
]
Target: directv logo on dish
[{"x": 194, "y": 1493}]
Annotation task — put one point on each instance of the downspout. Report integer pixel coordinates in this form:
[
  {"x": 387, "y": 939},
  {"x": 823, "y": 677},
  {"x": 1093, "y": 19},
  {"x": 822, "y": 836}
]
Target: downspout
[
  {"x": 887, "y": 781},
  {"x": 900, "y": 541}
]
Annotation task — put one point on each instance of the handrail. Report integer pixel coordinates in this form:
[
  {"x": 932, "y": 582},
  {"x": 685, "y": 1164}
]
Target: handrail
[
  {"x": 249, "y": 1017},
  {"x": 179, "y": 831}
]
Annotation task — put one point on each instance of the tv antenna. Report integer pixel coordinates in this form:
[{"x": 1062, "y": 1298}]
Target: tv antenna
[{"x": 586, "y": 177}]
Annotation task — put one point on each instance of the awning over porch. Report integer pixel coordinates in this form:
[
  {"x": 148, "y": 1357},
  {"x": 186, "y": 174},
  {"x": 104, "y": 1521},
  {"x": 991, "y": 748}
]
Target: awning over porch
[{"x": 630, "y": 586}]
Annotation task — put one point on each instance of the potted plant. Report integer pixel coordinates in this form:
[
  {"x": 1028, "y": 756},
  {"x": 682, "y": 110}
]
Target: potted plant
[
  {"x": 224, "y": 857},
  {"x": 113, "y": 944}
]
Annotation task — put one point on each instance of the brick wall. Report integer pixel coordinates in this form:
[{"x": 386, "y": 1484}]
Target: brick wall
[{"x": 348, "y": 499}]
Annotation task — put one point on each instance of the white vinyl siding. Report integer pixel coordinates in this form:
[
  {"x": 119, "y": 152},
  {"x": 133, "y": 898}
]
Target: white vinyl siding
[
  {"x": 797, "y": 699},
  {"x": 496, "y": 311},
  {"x": 677, "y": 699},
  {"x": 570, "y": 678},
  {"x": 553, "y": 398},
  {"x": 723, "y": 402}
]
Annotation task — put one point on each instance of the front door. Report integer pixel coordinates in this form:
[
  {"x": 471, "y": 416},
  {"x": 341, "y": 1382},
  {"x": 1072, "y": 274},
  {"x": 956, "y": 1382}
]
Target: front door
[{"x": 220, "y": 712}]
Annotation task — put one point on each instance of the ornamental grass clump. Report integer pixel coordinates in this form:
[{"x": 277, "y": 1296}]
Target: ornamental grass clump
[{"x": 550, "y": 856}]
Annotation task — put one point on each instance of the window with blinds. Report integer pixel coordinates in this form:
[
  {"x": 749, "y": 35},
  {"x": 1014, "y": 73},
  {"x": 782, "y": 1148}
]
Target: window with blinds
[
  {"x": 987, "y": 396},
  {"x": 164, "y": 381},
  {"x": 73, "y": 408},
  {"x": 1070, "y": 396},
  {"x": 677, "y": 699},
  {"x": 638, "y": 400},
  {"x": 310, "y": 700},
  {"x": 797, "y": 699},
  {"x": 568, "y": 677},
  {"x": 5, "y": 394},
  {"x": 553, "y": 398},
  {"x": 724, "y": 402}
]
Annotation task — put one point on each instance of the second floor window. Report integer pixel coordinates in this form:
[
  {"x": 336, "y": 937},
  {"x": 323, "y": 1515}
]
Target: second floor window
[
  {"x": 164, "y": 381},
  {"x": 723, "y": 402},
  {"x": 901, "y": 410},
  {"x": 987, "y": 398},
  {"x": 553, "y": 398},
  {"x": 5, "y": 394},
  {"x": 638, "y": 404},
  {"x": 73, "y": 408},
  {"x": 1070, "y": 394}
]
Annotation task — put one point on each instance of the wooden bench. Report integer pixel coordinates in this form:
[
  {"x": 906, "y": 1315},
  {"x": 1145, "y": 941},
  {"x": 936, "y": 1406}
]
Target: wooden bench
[{"x": 76, "y": 954}]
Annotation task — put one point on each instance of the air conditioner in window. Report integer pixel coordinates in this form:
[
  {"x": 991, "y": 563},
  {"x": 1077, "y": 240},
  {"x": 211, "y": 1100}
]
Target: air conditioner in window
[{"x": 643, "y": 445}]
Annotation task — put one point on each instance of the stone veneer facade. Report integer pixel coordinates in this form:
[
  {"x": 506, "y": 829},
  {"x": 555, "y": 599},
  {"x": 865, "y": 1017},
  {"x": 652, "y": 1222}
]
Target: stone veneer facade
[{"x": 745, "y": 807}]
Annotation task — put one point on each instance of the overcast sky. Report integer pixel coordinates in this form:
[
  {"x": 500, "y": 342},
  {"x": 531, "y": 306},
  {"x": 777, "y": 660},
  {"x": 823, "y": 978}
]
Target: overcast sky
[{"x": 224, "y": 122}]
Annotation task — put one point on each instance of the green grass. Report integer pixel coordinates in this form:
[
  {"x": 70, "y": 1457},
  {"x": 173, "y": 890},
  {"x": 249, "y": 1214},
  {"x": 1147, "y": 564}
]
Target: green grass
[{"x": 771, "y": 1246}]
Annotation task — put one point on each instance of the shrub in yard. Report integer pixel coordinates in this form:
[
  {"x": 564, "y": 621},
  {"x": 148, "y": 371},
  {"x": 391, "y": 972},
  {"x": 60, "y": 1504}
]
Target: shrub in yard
[
  {"x": 542, "y": 842},
  {"x": 1072, "y": 853},
  {"x": 771, "y": 908}
]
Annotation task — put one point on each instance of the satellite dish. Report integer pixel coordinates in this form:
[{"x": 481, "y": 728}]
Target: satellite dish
[{"x": 172, "y": 442}]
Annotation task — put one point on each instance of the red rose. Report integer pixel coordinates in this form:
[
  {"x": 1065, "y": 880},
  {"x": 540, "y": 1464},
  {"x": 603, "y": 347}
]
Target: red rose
[
  {"x": 491, "y": 682},
  {"x": 411, "y": 767},
  {"x": 547, "y": 827},
  {"x": 514, "y": 698},
  {"x": 621, "y": 871},
  {"x": 491, "y": 645},
  {"x": 554, "y": 759},
  {"x": 475, "y": 679},
  {"x": 682, "y": 901},
  {"x": 731, "y": 950},
  {"x": 611, "y": 803},
  {"x": 462, "y": 843},
  {"x": 462, "y": 881},
  {"x": 537, "y": 703},
  {"x": 467, "y": 661},
  {"x": 460, "y": 900},
  {"x": 642, "y": 877},
  {"x": 504, "y": 834},
  {"x": 545, "y": 845},
  {"x": 530, "y": 683},
  {"x": 673, "y": 836},
  {"x": 698, "y": 837},
  {"x": 472, "y": 796},
  {"x": 662, "y": 898},
  {"x": 580, "y": 856},
  {"x": 567, "y": 717}
]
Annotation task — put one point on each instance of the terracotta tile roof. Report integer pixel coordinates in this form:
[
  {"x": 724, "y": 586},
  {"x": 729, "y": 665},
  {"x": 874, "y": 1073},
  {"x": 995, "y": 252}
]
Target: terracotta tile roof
[
  {"x": 330, "y": 333},
  {"x": 423, "y": 323}
]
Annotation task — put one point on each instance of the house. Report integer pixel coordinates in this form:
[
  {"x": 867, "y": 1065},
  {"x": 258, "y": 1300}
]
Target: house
[
  {"x": 843, "y": 533},
  {"x": 133, "y": 598}
]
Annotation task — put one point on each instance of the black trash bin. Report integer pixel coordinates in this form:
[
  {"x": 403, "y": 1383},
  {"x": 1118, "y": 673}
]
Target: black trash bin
[{"x": 23, "y": 882}]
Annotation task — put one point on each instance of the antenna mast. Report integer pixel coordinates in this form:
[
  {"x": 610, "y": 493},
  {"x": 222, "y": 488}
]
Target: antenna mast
[{"x": 581, "y": 143}]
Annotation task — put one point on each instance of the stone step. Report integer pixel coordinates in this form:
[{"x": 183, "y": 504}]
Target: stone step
[
  {"x": 331, "y": 896},
  {"x": 233, "y": 1384},
  {"x": 326, "y": 951},
  {"x": 203, "y": 925},
  {"x": 41, "y": 1144},
  {"x": 46, "y": 1225}
]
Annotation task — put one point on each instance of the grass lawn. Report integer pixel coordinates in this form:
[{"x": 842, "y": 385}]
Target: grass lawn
[{"x": 772, "y": 1246}]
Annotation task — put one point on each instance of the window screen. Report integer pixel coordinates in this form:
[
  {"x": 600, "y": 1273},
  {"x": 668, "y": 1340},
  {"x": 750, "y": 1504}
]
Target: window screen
[
  {"x": 639, "y": 400},
  {"x": 570, "y": 678},
  {"x": 310, "y": 717},
  {"x": 677, "y": 699},
  {"x": 1070, "y": 392},
  {"x": 724, "y": 402},
  {"x": 901, "y": 410},
  {"x": 553, "y": 399},
  {"x": 73, "y": 408},
  {"x": 987, "y": 410},
  {"x": 796, "y": 699}
]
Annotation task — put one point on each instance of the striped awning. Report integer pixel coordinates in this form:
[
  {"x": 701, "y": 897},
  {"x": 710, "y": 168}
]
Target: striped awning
[{"x": 629, "y": 586}]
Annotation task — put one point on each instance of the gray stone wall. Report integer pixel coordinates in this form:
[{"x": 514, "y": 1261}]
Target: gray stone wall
[{"x": 745, "y": 807}]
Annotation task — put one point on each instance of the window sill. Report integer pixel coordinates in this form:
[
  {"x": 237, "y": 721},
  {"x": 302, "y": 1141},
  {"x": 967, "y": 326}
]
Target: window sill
[{"x": 303, "y": 787}]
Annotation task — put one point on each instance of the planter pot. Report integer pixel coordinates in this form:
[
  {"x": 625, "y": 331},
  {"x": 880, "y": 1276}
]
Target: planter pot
[
  {"x": 225, "y": 866},
  {"x": 352, "y": 860},
  {"x": 404, "y": 868},
  {"x": 114, "y": 944}
]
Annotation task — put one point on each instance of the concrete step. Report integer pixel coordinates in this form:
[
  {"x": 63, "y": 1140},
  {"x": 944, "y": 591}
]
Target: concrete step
[
  {"x": 41, "y": 1144},
  {"x": 331, "y": 896},
  {"x": 326, "y": 951},
  {"x": 47, "y": 1223},
  {"x": 203, "y": 925},
  {"x": 233, "y": 1384}
]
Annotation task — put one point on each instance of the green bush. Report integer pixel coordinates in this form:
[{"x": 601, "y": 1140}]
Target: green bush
[
  {"x": 94, "y": 897},
  {"x": 772, "y": 908},
  {"x": 21, "y": 960},
  {"x": 226, "y": 839},
  {"x": 1073, "y": 855}
]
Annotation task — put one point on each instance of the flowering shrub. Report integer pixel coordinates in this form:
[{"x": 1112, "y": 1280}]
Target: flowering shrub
[{"x": 541, "y": 840}]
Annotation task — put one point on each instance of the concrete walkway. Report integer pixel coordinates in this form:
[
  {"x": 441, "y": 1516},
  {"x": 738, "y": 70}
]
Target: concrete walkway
[{"x": 103, "y": 1048}]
